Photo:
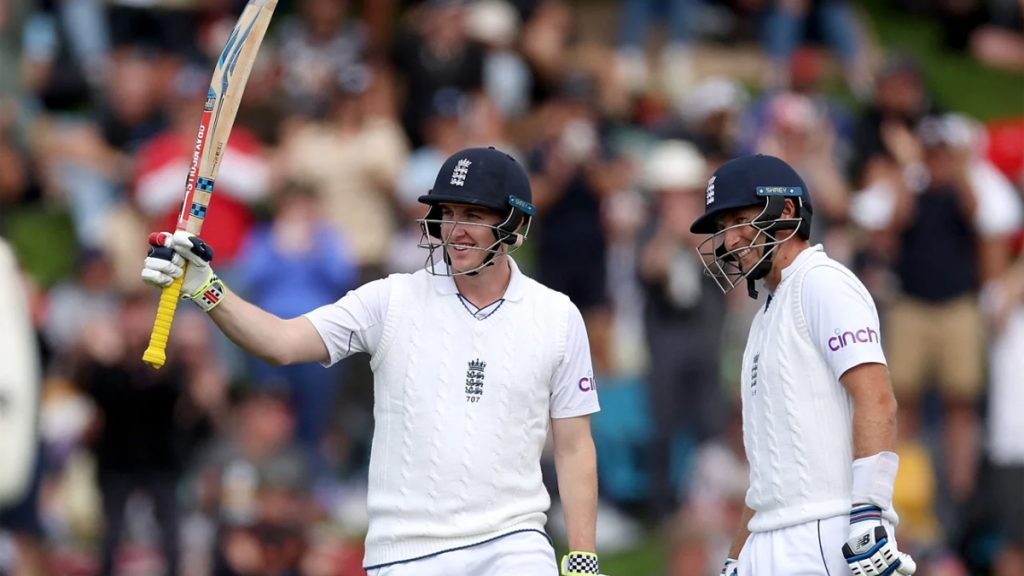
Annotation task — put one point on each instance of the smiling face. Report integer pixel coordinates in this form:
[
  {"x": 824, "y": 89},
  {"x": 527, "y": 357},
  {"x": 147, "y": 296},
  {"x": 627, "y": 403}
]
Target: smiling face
[
  {"x": 468, "y": 235},
  {"x": 740, "y": 238},
  {"x": 745, "y": 241}
]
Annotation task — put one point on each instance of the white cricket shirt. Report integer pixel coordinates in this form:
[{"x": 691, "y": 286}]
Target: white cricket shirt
[
  {"x": 462, "y": 403},
  {"x": 797, "y": 417}
]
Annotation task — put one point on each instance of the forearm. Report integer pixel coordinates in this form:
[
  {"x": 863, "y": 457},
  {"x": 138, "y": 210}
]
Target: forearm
[
  {"x": 258, "y": 332},
  {"x": 577, "y": 488},
  {"x": 874, "y": 424},
  {"x": 742, "y": 533}
]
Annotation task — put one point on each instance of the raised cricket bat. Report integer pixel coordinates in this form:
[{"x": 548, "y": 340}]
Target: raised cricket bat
[{"x": 222, "y": 100}]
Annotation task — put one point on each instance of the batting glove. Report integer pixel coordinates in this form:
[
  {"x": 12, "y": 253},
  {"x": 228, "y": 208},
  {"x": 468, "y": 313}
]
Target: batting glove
[
  {"x": 580, "y": 564},
  {"x": 871, "y": 551},
  {"x": 730, "y": 567},
  {"x": 168, "y": 254}
]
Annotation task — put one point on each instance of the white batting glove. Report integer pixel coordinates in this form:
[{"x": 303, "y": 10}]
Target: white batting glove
[
  {"x": 871, "y": 550},
  {"x": 166, "y": 260},
  {"x": 730, "y": 566}
]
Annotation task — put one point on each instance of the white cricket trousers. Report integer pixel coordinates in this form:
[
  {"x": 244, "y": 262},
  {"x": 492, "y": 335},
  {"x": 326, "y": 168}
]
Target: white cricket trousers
[
  {"x": 519, "y": 554},
  {"x": 808, "y": 549}
]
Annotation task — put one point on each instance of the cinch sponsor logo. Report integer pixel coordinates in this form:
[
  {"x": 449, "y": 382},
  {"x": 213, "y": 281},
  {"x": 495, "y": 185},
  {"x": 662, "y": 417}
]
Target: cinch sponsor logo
[
  {"x": 843, "y": 339},
  {"x": 586, "y": 384}
]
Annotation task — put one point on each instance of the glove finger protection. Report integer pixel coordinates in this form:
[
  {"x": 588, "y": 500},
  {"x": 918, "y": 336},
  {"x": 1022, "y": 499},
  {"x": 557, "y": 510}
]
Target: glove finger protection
[
  {"x": 166, "y": 261},
  {"x": 870, "y": 550}
]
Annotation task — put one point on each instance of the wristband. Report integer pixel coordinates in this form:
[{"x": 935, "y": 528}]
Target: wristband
[
  {"x": 580, "y": 563},
  {"x": 873, "y": 479},
  {"x": 209, "y": 295}
]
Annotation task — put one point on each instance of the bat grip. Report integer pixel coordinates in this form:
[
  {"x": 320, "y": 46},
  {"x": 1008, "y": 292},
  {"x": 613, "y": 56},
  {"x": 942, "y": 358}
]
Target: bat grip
[{"x": 155, "y": 354}]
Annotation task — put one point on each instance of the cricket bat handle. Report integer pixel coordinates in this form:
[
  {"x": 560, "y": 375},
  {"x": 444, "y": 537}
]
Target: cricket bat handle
[{"x": 156, "y": 353}]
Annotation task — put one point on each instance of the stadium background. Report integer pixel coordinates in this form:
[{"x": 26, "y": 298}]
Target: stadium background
[{"x": 348, "y": 114}]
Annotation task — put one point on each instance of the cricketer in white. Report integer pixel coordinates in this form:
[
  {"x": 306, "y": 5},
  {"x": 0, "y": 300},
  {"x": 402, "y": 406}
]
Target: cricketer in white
[
  {"x": 473, "y": 364},
  {"x": 447, "y": 471},
  {"x": 819, "y": 415}
]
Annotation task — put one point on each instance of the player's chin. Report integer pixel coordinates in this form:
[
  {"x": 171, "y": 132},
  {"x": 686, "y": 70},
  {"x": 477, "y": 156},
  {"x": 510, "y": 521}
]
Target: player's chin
[
  {"x": 462, "y": 262},
  {"x": 749, "y": 260}
]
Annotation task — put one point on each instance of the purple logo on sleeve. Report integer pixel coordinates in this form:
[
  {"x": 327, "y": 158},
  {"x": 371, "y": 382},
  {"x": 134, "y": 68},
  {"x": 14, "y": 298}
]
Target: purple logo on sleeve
[
  {"x": 586, "y": 384},
  {"x": 843, "y": 339}
]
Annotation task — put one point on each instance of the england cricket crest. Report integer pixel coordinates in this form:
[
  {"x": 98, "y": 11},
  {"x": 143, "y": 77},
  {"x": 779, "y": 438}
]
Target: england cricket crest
[
  {"x": 475, "y": 380},
  {"x": 459, "y": 172}
]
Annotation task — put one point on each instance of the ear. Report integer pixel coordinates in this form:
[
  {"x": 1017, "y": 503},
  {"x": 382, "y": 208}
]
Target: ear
[{"x": 790, "y": 210}]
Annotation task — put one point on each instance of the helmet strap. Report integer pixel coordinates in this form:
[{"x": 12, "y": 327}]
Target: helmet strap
[{"x": 761, "y": 269}]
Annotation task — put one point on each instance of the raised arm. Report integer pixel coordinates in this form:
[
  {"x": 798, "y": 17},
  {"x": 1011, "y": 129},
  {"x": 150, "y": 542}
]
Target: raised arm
[
  {"x": 272, "y": 339},
  {"x": 260, "y": 333}
]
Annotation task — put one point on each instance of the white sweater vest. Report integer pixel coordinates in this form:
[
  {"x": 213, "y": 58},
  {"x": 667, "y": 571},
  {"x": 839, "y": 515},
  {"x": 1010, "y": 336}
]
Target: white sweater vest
[
  {"x": 462, "y": 414},
  {"x": 797, "y": 426}
]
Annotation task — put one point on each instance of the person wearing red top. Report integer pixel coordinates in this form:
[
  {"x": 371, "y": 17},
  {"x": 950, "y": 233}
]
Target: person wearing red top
[{"x": 163, "y": 161}]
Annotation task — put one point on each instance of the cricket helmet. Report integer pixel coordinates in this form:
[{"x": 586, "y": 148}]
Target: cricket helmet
[
  {"x": 755, "y": 180},
  {"x": 484, "y": 177}
]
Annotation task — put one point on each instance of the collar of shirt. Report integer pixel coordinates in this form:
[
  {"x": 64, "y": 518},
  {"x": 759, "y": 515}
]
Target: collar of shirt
[
  {"x": 799, "y": 261},
  {"x": 446, "y": 284}
]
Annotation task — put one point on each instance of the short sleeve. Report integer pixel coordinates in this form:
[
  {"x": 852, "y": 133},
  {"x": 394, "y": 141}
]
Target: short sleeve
[
  {"x": 354, "y": 323},
  {"x": 574, "y": 390},
  {"x": 842, "y": 319}
]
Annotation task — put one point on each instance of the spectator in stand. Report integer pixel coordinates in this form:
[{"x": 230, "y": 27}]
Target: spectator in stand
[
  {"x": 901, "y": 98},
  {"x": 352, "y": 161},
  {"x": 710, "y": 117},
  {"x": 316, "y": 45},
  {"x": 163, "y": 161},
  {"x": 253, "y": 482},
  {"x": 1005, "y": 485},
  {"x": 137, "y": 440},
  {"x": 572, "y": 170},
  {"x": 295, "y": 261},
  {"x": 675, "y": 68},
  {"x": 445, "y": 133},
  {"x": 79, "y": 301},
  {"x": 1000, "y": 213},
  {"x": 495, "y": 25},
  {"x": 797, "y": 132},
  {"x": 785, "y": 30},
  {"x": 934, "y": 326},
  {"x": 16, "y": 174},
  {"x": 808, "y": 78},
  {"x": 713, "y": 506},
  {"x": 83, "y": 161},
  {"x": 990, "y": 31},
  {"x": 683, "y": 320},
  {"x": 432, "y": 53},
  {"x": 167, "y": 26}
]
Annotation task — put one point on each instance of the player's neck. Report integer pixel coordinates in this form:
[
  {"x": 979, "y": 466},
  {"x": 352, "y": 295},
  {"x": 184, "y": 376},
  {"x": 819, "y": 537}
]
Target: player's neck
[
  {"x": 488, "y": 285},
  {"x": 785, "y": 254}
]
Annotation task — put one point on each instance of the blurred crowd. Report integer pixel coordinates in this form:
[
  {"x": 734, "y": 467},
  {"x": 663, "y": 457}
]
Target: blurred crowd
[{"x": 219, "y": 464}]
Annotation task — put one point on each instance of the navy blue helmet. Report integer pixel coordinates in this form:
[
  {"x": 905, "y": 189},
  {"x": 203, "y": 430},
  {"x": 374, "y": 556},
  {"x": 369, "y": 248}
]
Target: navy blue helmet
[
  {"x": 484, "y": 177},
  {"x": 756, "y": 180}
]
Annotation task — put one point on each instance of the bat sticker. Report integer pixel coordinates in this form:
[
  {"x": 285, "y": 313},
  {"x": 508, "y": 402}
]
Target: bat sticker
[{"x": 198, "y": 210}]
